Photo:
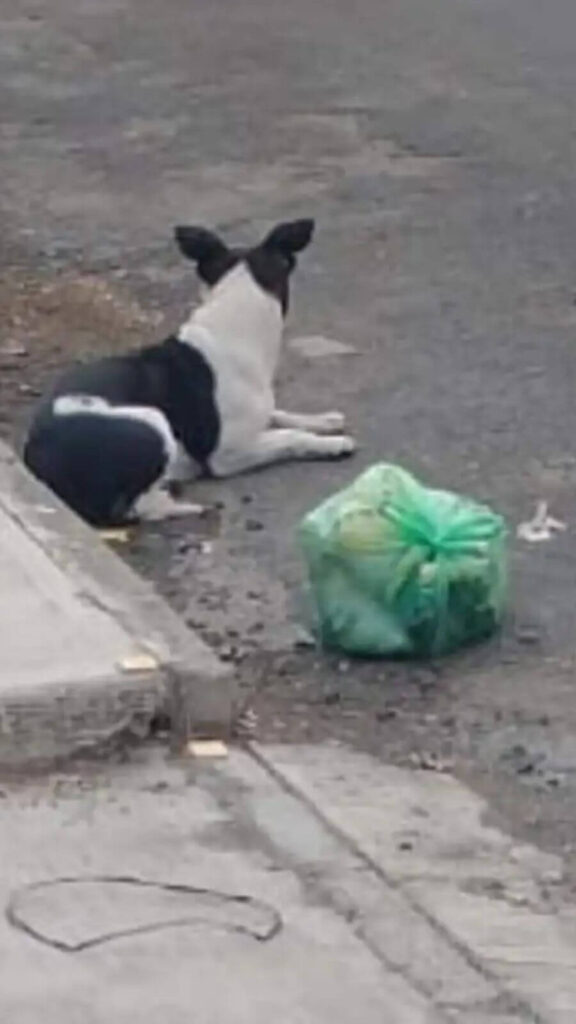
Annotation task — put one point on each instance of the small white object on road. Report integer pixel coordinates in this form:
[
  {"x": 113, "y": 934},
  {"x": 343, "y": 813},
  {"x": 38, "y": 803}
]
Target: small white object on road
[
  {"x": 142, "y": 662},
  {"x": 316, "y": 346},
  {"x": 207, "y": 748},
  {"x": 542, "y": 527},
  {"x": 116, "y": 536}
]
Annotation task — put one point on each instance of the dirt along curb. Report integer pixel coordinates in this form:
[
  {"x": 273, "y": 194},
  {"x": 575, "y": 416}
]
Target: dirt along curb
[{"x": 89, "y": 652}]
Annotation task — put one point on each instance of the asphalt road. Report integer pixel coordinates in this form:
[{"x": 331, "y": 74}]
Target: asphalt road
[{"x": 434, "y": 143}]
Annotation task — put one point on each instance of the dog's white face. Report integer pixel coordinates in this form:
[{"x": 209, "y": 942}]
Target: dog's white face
[{"x": 270, "y": 263}]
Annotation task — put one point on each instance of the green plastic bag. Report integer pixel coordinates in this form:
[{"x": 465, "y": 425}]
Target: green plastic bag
[{"x": 398, "y": 569}]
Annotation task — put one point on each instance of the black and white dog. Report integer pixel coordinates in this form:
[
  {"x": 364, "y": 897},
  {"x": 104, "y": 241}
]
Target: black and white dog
[{"x": 115, "y": 431}]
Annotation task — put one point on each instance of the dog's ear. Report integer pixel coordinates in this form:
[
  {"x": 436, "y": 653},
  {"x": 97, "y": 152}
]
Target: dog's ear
[
  {"x": 199, "y": 244},
  {"x": 290, "y": 237}
]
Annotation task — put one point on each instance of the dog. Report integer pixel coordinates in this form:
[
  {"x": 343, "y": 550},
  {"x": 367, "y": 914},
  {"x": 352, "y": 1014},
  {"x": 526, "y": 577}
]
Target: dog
[{"x": 119, "y": 430}]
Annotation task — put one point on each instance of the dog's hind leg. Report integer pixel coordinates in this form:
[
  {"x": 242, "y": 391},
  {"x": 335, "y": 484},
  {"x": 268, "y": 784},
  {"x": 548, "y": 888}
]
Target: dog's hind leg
[
  {"x": 281, "y": 445},
  {"x": 313, "y": 423}
]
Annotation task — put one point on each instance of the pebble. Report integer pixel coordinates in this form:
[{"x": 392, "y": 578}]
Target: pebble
[
  {"x": 158, "y": 787},
  {"x": 386, "y": 714},
  {"x": 246, "y": 724},
  {"x": 430, "y": 762},
  {"x": 527, "y": 635},
  {"x": 304, "y": 641},
  {"x": 552, "y": 878}
]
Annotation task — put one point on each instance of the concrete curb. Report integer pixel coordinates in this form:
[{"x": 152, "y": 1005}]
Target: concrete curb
[{"x": 187, "y": 681}]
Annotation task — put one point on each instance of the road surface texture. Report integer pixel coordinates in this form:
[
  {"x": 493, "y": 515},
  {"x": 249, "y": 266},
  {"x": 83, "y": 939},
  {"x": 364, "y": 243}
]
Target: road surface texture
[{"x": 434, "y": 143}]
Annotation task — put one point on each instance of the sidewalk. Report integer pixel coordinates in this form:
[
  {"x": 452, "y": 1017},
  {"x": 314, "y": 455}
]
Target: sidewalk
[
  {"x": 341, "y": 917},
  {"x": 89, "y": 651}
]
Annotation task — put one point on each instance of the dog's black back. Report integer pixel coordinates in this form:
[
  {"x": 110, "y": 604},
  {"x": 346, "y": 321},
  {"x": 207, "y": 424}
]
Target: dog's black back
[{"x": 172, "y": 377}]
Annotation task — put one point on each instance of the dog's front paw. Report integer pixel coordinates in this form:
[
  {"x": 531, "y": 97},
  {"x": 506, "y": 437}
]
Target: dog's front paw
[
  {"x": 340, "y": 447},
  {"x": 330, "y": 423}
]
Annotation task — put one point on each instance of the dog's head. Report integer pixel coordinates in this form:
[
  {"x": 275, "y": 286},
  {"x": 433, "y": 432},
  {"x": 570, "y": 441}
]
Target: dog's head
[{"x": 270, "y": 263}]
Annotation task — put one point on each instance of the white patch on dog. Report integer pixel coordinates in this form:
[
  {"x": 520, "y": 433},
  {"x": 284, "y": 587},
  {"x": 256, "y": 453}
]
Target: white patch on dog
[
  {"x": 70, "y": 405},
  {"x": 239, "y": 331}
]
